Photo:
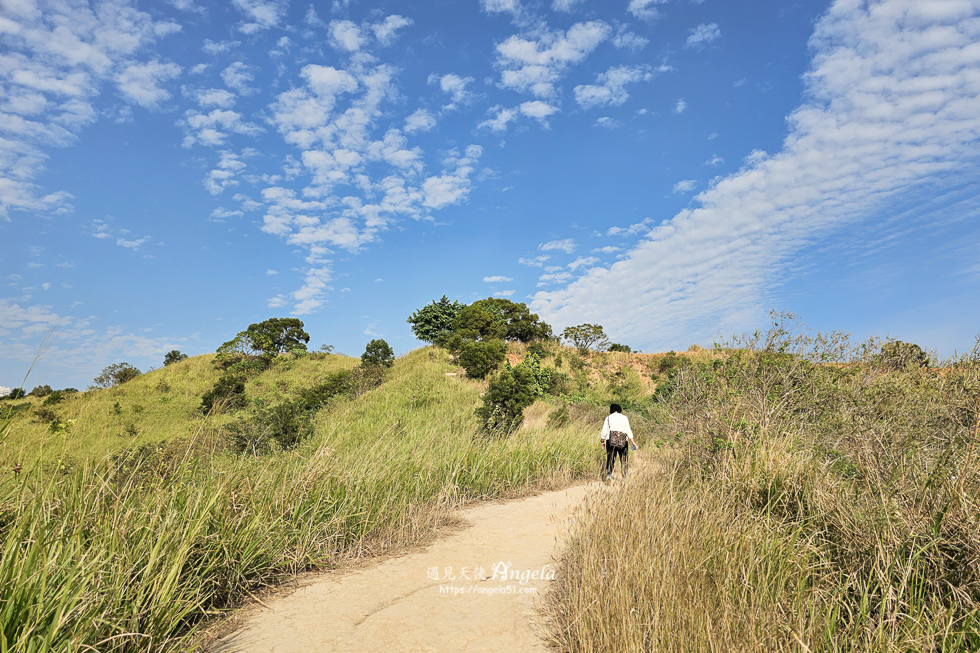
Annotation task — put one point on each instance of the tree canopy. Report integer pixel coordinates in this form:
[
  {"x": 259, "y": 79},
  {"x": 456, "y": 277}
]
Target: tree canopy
[
  {"x": 434, "y": 319},
  {"x": 279, "y": 335},
  {"x": 585, "y": 336}
]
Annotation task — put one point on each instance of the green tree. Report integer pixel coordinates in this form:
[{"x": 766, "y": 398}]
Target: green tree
[
  {"x": 507, "y": 395},
  {"x": 479, "y": 359},
  {"x": 434, "y": 319},
  {"x": 115, "y": 374},
  {"x": 41, "y": 391},
  {"x": 378, "y": 353},
  {"x": 520, "y": 323},
  {"x": 16, "y": 393},
  {"x": 279, "y": 334},
  {"x": 480, "y": 322},
  {"x": 899, "y": 355},
  {"x": 173, "y": 356},
  {"x": 585, "y": 336},
  {"x": 621, "y": 348}
]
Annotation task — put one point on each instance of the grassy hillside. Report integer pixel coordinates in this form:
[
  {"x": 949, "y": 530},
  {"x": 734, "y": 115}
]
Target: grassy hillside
[
  {"x": 802, "y": 506},
  {"x": 133, "y": 553}
]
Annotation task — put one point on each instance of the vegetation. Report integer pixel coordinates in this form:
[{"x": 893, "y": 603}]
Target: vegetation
[
  {"x": 173, "y": 356},
  {"x": 194, "y": 512},
  {"x": 814, "y": 497},
  {"x": 115, "y": 374},
  {"x": 480, "y": 359},
  {"x": 585, "y": 337},
  {"x": 378, "y": 353},
  {"x": 434, "y": 319}
]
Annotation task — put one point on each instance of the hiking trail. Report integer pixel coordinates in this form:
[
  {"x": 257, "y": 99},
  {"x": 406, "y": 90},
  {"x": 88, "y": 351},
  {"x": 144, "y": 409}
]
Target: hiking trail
[{"x": 476, "y": 589}]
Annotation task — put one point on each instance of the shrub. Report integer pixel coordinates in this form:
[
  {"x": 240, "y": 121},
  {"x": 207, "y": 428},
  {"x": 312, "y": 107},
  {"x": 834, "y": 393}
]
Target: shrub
[
  {"x": 228, "y": 393},
  {"x": 45, "y": 416},
  {"x": 434, "y": 319},
  {"x": 379, "y": 353},
  {"x": 115, "y": 374},
  {"x": 507, "y": 395},
  {"x": 16, "y": 393},
  {"x": 620, "y": 348},
  {"x": 41, "y": 391},
  {"x": 898, "y": 355},
  {"x": 55, "y": 397},
  {"x": 173, "y": 356},
  {"x": 479, "y": 359}
]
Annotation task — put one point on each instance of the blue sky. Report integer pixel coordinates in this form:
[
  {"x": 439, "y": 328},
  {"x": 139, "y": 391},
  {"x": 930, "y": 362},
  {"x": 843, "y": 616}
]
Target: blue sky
[{"x": 171, "y": 172}]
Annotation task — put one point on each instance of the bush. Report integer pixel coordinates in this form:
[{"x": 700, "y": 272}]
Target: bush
[
  {"x": 115, "y": 374},
  {"x": 16, "y": 393},
  {"x": 898, "y": 355},
  {"x": 620, "y": 348},
  {"x": 479, "y": 359},
  {"x": 173, "y": 356},
  {"x": 228, "y": 393},
  {"x": 434, "y": 319},
  {"x": 507, "y": 395},
  {"x": 41, "y": 391},
  {"x": 379, "y": 353}
]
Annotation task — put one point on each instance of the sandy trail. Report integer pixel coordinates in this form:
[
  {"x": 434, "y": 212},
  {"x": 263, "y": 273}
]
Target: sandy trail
[{"x": 477, "y": 589}]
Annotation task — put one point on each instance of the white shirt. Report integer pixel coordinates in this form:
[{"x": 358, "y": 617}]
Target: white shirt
[{"x": 616, "y": 422}]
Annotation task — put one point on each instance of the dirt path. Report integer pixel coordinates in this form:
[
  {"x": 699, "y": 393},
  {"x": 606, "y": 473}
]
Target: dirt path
[{"x": 475, "y": 590}]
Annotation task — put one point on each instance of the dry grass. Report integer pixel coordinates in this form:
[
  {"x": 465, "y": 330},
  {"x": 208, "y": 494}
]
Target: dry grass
[{"x": 804, "y": 507}]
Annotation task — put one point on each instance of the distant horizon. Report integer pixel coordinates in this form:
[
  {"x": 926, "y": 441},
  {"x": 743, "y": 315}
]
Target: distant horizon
[{"x": 670, "y": 169}]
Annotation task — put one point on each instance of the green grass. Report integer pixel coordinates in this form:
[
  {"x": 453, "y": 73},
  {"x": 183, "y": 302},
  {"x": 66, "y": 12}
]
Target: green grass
[{"x": 95, "y": 558}]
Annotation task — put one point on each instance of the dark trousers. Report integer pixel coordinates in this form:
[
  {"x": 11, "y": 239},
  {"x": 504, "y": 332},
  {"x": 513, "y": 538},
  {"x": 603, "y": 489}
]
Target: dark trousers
[{"x": 624, "y": 458}]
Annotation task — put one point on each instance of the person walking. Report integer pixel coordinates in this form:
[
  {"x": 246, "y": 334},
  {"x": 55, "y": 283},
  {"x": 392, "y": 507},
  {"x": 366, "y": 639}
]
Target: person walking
[{"x": 616, "y": 437}]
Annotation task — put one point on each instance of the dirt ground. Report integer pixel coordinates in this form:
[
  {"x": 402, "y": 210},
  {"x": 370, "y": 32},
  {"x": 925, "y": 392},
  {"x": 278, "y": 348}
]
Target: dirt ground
[{"x": 477, "y": 589}]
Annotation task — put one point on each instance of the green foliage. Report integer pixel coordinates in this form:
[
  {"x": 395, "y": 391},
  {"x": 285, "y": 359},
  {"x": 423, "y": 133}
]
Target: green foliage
[
  {"x": 278, "y": 335},
  {"x": 620, "y": 348},
  {"x": 228, "y": 393},
  {"x": 378, "y": 353},
  {"x": 173, "y": 356},
  {"x": 520, "y": 324},
  {"x": 480, "y": 322},
  {"x": 898, "y": 355},
  {"x": 57, "y": 396},
  {"x": 585, "y": 336},
  {"x": 115, "y": 374},
  {"x": 45, "y": 415},
  {"x": 16, "y": 393},
  {"x": 434, "y": 319},
  {"x": 541, "y": 380},
  {"x": 480, "y": 359},
  {"x": 244, "y": 347},
  {"x": 507, "y": 395},
  {"x": 41, "y": 391}
]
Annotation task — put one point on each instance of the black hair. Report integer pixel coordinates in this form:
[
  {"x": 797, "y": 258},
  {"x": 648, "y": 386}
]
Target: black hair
[{"x": 615, "y": 408}]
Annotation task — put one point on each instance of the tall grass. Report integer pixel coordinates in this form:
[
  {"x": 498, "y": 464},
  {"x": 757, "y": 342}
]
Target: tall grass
[
  {"x": 805, "y": 506},
  {"x": 136, "y": 558}
]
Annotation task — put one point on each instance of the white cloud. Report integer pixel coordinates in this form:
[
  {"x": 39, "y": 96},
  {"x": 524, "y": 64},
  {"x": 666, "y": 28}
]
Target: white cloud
[
  {"x": 237, "y": 77},
  {"x": 122, "y": 237},
  {"x": 223, "y": 176},
  {"x": 582, "y": 261},
  {"x": 645, "y": 9},
  {"x": 567, "y": 245},
  {"x": 607, "y": 123},
  {"x": 56, "y": 60},
  {"x": 608, "y": 249},
  {"x": 890, "y": 110},
  {"x": 214, "y": 97},
  {"x": 497, "y": 279},
  {"x": 420, "y": 121},
  {"x": 632, "y": 230},
  {"x": 534, "y": 62},
  {"x": 140, "y": 83},
  {"x": 386, "y": 30},
  {"x": 610, "y": 86},
  {"x": 346, "y": 35},
  {"x": 504, "y": 293},
  {"x": 501, "y": 6},
  {"x": 538, "y": 110},
  {"x": 455, "y": 87},
  {"x": 680, "y": 106},
  {"x": 685, "y": 186},
  {"x": 702, "y": 35},
  {"x": 627, "y": 40},
  {"x": 259, "y": 14},
  {"x": 714, "y": 160},
  {"x": 453, "y": 186},
  {"x": 553, "y": 278},
  {"x": 219, "y": 47},
  {"x": 535, "y": 262},
  {"x": 565, "y": 5},
  {"x": 212, "y": 128},
  {"x": 499, "y": 122}
]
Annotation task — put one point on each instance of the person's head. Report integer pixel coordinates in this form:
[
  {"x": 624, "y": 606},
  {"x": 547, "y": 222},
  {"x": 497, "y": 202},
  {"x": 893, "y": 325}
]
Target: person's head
[{"x": 615, "y": 408}]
